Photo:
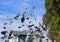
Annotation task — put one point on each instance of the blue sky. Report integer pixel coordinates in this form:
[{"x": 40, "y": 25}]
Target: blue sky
[{"x": 10, "y": 8}]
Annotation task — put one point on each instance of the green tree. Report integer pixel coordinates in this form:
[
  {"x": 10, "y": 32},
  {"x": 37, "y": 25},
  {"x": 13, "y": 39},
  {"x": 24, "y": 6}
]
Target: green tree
[{"x": 51, "y": 18}]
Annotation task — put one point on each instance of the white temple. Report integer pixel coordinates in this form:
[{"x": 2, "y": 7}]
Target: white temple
[{"x": 23, "y": 36}]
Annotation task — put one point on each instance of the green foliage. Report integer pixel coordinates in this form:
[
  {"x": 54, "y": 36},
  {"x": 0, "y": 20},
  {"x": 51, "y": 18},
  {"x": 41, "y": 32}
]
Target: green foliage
[{"x": 52, "y": 17}]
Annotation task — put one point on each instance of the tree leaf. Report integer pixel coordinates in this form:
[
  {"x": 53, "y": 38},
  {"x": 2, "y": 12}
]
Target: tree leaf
[
  {"x": 30, "y": 13},
  {"x": 23, "y": 19},
  {"x": 19, "y": 27},
  {"x": 27, "y": 18},
  {"x": 4, "y": 27},
  {"x": 5, "y": 23},
  {"x": 30, "y": 25},
  {"x": 3, "y": 32}
]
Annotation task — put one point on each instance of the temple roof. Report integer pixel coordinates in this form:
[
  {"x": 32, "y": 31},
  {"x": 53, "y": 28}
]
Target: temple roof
[{"x": 25, "y": 32}]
